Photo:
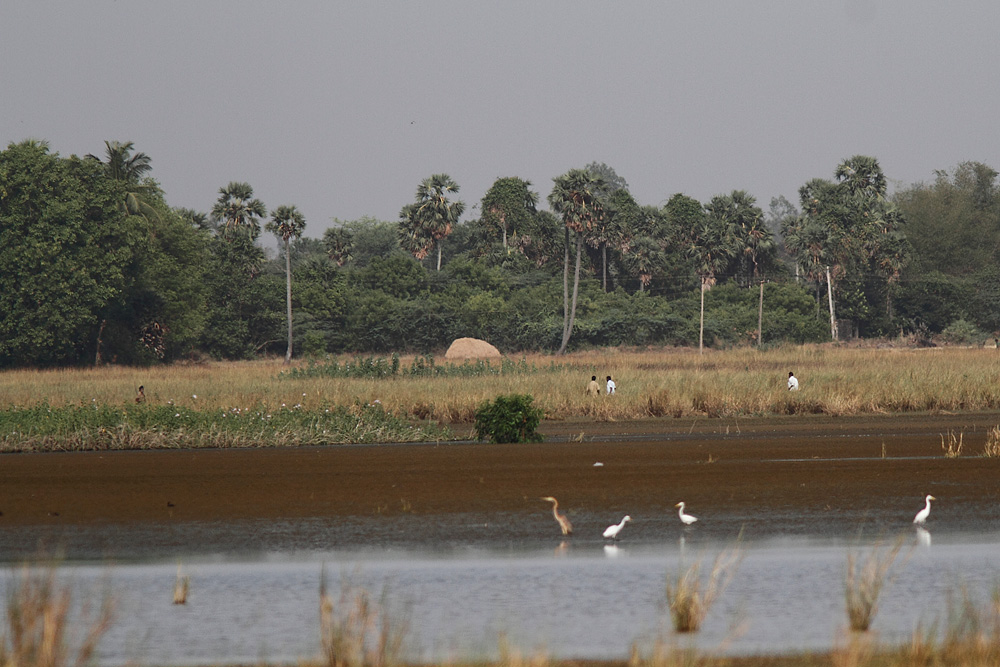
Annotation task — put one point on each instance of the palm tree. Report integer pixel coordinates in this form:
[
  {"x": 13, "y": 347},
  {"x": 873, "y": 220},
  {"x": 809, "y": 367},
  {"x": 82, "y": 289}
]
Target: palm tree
[
  {"x": 286, "y": 223},
  {"x": 122, "y": 165},
  {"x": 575, "y": 197},
  {"x": 713, "y": 245},
  {"x": 339, "y": 245},
  {"x": 426, "y": 222},
  {"x": 237, "y": 208}
]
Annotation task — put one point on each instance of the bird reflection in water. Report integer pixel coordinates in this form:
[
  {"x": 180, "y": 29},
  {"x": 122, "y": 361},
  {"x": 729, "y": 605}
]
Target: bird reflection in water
[{"x": 923, "y": 536}]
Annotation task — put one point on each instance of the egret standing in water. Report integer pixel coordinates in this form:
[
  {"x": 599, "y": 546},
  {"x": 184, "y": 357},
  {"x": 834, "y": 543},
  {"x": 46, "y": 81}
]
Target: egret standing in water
[
  {"x": 611, "y": 532},
  {"x": 564, "y": 524},
  {"x": 687, "y": 519},
  {"x": 925, "y": 512}
]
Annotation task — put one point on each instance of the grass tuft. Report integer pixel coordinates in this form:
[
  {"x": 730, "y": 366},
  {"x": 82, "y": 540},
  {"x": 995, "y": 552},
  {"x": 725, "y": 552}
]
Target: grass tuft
[
  {"x": 865, "y": 578},
  {"x": 358, "y": 630},
  {"x": 992, "y": 446},
  {"x": 689, "y": 597},
  {"x": 952, "y": 445}
]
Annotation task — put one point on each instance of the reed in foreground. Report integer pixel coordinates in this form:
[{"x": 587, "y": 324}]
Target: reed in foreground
[
  {"x": 357, "y": 630},
  {"x": 689, "y": 598},
  {"x": 38, "y": 632},
  {"x": 864, "y": 581}
]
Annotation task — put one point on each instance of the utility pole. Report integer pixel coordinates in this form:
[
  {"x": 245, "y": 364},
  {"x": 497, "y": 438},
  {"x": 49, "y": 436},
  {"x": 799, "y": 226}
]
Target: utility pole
[
  {"x": 829, "y": 296},
  {"x": 760, "y": 316},
  {"x": 701, "y": 321}
]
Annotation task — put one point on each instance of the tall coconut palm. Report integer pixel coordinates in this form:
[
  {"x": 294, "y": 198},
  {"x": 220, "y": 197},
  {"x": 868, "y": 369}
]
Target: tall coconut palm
[
  {"x": 287, "y": 223},
  {"x": 122, "y": 165},
  {"x": 575, "y": 196},
  {"x": 237, "y": 208},
  {"x": 429, "y": 220}
]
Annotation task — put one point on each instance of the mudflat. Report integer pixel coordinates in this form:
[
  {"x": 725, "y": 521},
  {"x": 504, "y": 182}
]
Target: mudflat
[{"x": 732, "y": 466}]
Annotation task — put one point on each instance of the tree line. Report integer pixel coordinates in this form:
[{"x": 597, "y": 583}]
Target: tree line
[{"x": 99, "y": 268}]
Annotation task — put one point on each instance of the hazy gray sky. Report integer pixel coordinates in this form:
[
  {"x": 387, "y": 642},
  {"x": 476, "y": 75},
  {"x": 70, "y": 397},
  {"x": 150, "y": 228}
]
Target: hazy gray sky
[{"x": 341, "y": 108}]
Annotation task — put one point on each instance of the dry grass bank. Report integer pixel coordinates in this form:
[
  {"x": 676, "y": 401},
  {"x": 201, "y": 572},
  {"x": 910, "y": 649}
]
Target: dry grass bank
[{"x": 653, "y": 383}]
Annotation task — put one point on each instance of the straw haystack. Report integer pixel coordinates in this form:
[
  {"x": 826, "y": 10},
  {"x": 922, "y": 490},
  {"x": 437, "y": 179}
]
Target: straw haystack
[{"x": 471, "y": 348}]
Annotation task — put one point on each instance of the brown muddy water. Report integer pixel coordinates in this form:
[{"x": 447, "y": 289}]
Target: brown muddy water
[{"x": 460, "y": 541}]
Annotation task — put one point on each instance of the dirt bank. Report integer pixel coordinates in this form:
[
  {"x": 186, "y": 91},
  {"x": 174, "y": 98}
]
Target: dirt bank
[{"x": 715, "y": 465}]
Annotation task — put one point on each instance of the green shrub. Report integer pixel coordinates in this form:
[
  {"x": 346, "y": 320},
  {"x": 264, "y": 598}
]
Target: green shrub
[{"x": 509, "y": 418}]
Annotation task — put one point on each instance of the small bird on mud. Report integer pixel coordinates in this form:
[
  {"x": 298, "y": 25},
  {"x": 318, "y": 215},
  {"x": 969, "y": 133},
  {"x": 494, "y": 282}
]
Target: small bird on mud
[
  {"x": 611, "y": 532},
  {"x": 687, "y": 519},
  {"x": 926, "y": 511},
  {"x": 564, "y": 524}
]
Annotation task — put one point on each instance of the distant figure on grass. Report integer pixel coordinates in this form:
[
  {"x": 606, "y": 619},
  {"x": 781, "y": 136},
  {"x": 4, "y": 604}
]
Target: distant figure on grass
[
  {"x": 141, "y": 397},
  {"x": 593, "y": 389},
  {"x": 611, "y": 386},
  {"x": 793, "y": 382}
]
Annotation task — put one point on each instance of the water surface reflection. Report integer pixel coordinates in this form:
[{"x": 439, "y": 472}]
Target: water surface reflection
[{"x": 571, "y": 598}]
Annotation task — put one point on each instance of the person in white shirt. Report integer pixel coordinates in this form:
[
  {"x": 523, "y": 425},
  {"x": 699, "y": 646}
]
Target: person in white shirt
[
  {"x": 611, "y": 386},
  {"x": 793, "y": 382}
]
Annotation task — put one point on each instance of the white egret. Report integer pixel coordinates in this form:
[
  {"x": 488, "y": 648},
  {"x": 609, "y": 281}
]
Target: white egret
[
  {"x": 611, "y": 532},
  {"x": 926, "y": 511},
  {"x": 687, "y": 519},
  {"x": 564, "y": 524}
]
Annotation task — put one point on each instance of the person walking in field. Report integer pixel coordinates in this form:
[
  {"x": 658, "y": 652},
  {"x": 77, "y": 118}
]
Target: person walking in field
[
  {"x": 593, "y": 389},
  {"x": 793, "y": 382},
  {"x": 611, "y": 386}
]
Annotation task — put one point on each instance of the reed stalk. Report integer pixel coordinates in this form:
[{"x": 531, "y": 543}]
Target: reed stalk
[
  {"x": 38, "y": 630},
  {"x": 866, "y": 575},
  {"x": 689, "y": 597},
  {"x": 359, "y": 630}
]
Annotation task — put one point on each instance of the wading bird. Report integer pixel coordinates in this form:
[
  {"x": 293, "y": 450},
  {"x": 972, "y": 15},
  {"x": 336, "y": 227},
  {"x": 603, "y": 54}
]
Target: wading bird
[
  {"x": 925, "y": 512},
  {"x": 567, "y": 527},
  {"x": 611, "y": 532},
  {"x": 687, "y": 519}
]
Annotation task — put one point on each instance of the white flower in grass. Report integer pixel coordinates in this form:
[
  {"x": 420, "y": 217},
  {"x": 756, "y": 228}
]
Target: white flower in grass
[{"x": 194, "y": 395}]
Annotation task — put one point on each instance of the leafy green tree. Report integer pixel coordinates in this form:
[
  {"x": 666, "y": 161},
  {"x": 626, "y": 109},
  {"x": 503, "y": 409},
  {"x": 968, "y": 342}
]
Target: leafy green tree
[
  {"x": 238, "y": 209},
  {"x": 575, "y": 196},
  {"x": 429, "y": 220},
  {"x": 509, "y": 205},
  {"x": 66, "y": 248},
  {"x": 287, "y": 223},
  {"x": 607, "y": 232},
  {"x": 849, "y": 227},
  {"x": 339, "y": 244},
  {"x": 953, "y": 224},
  {"x": 713, "y": 244}
]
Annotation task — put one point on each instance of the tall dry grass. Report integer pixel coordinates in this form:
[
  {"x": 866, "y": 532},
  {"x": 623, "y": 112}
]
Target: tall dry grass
[
  {"x": 690, "y": 597},
  {"x": 652, "y": 383},
  {"x": 867, "y": 574},
  {"x": 38, "y": 630},
  {"x": 358, "y": 629}
]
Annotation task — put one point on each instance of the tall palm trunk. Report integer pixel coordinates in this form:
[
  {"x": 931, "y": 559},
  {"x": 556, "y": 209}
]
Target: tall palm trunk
[
  {"x": 566, "y": 285},
  {"x": 439, "y": 256},
  {"x": 288, "y": 300},
  {"x": 576, "y": 289}
]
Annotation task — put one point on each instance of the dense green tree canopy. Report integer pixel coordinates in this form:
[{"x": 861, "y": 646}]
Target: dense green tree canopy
[{"x": 66, "y": 247}]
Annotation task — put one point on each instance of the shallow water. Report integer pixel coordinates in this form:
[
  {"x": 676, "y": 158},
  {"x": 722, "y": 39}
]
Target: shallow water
[{"x": 578, "y": 598}]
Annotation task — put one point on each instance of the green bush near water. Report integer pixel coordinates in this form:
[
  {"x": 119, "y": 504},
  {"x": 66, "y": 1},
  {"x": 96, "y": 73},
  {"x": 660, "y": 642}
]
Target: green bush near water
[
  {"x": 108, "y": 427},
  {"x": 509, "y": 418}
]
